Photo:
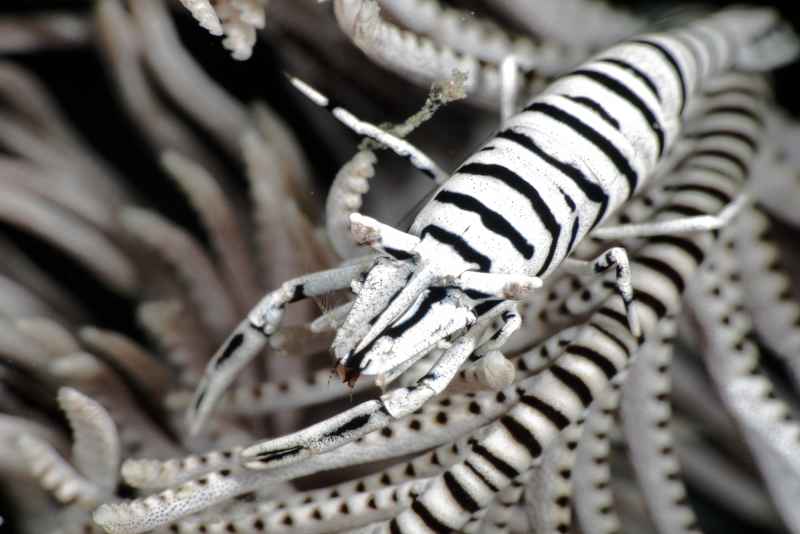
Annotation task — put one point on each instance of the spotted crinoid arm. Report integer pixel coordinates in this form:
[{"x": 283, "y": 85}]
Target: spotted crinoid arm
[
  {"x": 595, "y": 505},
  {"x": 434, "y": 427},
  {"x": 348, "y": 504},
  {"x": 733, "y": 361},
  {"x": 769, "y": 299},
  {"x": 503, "y": 512},
  {"x": 645, "y": 405},
  {"x": 548, "y": 492},
  {"x": 270, "y": 397}
]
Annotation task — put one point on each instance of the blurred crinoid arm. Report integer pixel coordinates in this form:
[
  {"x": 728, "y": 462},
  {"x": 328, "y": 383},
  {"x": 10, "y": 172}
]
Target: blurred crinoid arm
[
  {"x": 767, "y": 286},
  {"x": 96, "y": 454},
  {"x": 776, "y": 181},
  {"x": 35, "y": 130},
  {"x": 124, "y": 48},
  {"x": 184, "y": 80},
  {"x": 473, "y": 33},
  {"x": 552, "y": 21},
  {"x": 435, "y": 39},
  {"x": 46, "y": 31},
  {"x": 70, "y": 233},
  {"x": 220, "y": 220},
  {"x": 733, "y": 361},
  {"x": 430, "y": 56},
  {"x": 237, "y": 20}
]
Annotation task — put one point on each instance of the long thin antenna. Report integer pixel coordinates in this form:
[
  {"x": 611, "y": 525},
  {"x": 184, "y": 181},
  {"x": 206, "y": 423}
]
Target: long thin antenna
[{"x": 397, "y": 145}]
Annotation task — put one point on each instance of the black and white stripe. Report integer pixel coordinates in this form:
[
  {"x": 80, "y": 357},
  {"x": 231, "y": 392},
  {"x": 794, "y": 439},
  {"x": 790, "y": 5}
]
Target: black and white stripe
[{"x": 574, "y": 154}]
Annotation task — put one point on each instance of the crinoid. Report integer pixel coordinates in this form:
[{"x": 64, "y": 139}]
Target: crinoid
[{"x": 587, "y": 328}]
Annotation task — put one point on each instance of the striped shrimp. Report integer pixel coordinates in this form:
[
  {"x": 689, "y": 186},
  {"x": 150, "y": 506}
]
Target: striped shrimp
[{"x": 508, "y": 217}]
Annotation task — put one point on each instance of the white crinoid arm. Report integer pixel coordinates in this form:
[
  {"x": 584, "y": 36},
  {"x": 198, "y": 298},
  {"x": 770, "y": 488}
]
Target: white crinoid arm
[
  {"x": 203, "y": 12},
  {"x": 238, "y": 20}
]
